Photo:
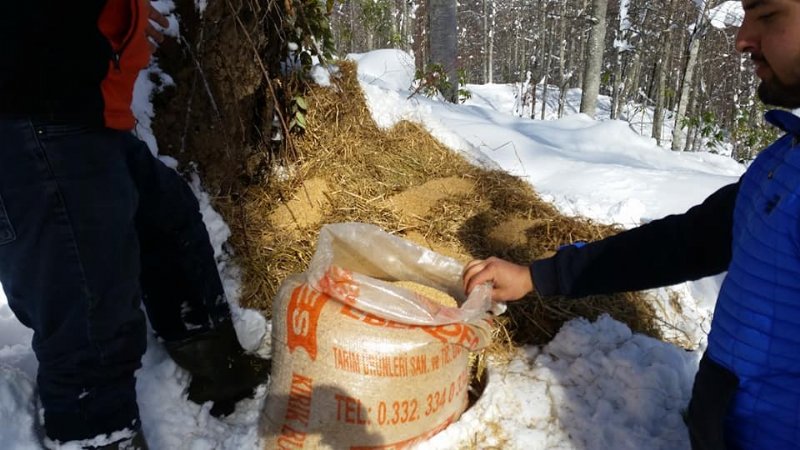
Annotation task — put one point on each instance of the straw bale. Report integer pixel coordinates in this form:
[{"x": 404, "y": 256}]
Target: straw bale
[{"x": 364, "y": 167}]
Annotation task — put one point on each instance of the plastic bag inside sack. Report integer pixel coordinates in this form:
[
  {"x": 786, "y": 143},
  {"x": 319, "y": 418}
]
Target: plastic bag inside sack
[{"x": 355, "y": 263}]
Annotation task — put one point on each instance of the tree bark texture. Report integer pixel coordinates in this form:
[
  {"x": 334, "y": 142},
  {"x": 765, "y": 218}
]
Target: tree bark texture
[
  {"x": 219, "y": 113},
  {"x": 594, "y": 58},
  {"x": 444, "y": 42},
  {"x": 678, "y": 133}
]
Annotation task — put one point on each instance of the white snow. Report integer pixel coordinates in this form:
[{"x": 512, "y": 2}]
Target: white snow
[
  {"x": 596, "y": 385},
  {"x": 726, "y": 14}
]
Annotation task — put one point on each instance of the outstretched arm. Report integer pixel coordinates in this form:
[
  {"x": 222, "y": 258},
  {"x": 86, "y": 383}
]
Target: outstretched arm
[
  {"x": 676, "y": 248},
  {"x": 666, "y": 251}
]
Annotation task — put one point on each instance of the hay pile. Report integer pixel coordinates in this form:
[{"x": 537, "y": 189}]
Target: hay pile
[{"x": 407, "y": 183}]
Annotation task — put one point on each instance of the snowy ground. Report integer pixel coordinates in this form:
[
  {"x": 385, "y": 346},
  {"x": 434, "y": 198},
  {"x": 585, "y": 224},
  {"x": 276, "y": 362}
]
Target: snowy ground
[{"x": 595, "y": 386}]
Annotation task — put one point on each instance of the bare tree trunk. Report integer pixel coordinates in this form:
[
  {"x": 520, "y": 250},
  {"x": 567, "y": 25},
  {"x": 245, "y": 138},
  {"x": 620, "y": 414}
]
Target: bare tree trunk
[
  {"x": 545, "y": 46},
  {"x": 660, "y": 91},
  {"x": 563, "y": 79},
  {"x": 515, "y": 61},
  {"x": 622, "y": 36},
  {"x": 632, "y": 80},
  {"x": 675, "y": 73},
  {"x": 617, "y": 85},
  {"x": 370, "y": 40},
  {"x": 351, "y": 41},
  {"x": 678, "y": 134},
  {"x": 579, "y": 53},
  {"x": 486, "y": 75},
  {"x": 405, "y": 19},
  {"x": 394, "y": 21},
  {"x": 632, "y": 75},
  {"x": 594, "y": 58},
  {"x": 490, "y": 44},
  {"x": 421, "y": 36},
  {"x": 444, "y": 42},
  {"x": 220, "y": 111},
  {"x": 692, "y": 127},
  {"x": 660, "y": 76},
  {"x": 544, "y": 98},
  {"x": 522, "y": 63},
  {"x": 533, "y": 88}
]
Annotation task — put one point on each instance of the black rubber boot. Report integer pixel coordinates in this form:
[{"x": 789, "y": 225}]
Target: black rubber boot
[{"x": 221, "y": 370}]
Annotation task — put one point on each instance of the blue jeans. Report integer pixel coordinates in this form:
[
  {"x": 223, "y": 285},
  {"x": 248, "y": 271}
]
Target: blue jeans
[{"x": 91, "y": 224}]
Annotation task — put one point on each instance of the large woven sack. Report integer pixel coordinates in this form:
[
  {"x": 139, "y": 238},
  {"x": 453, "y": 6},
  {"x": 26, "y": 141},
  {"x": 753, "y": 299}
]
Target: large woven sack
[{"x": 360, "y": 363}]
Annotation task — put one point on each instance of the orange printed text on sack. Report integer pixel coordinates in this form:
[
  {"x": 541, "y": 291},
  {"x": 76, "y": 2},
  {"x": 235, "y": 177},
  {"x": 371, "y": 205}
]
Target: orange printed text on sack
[
  {"x": 453, "y": 333},
  {"x": 390, "y": 365},
  {"x": 302, "y": 316},
  {"x": 298, "y": 413},
  {"x": 338, "y": 283}
]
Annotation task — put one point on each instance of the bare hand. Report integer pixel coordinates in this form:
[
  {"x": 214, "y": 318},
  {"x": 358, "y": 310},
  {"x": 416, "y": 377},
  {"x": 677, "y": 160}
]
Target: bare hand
[
  {"x": 154, "y": 34},
  {"x": 510, "y": 281}
]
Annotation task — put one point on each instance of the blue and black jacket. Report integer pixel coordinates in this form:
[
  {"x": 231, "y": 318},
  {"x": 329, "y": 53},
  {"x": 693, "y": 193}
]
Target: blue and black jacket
[{"x": 747, "y": 390}]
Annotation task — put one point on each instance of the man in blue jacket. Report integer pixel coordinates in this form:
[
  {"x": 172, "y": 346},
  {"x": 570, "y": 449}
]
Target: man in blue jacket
[
  {"x": 746, "y": 393},
  {"x": 92, "y": 226}
]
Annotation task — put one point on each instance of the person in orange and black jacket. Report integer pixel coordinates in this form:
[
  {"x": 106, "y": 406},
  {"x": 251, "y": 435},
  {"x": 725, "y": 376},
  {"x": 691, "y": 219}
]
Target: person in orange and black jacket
[{"x": 92, "y": 225}]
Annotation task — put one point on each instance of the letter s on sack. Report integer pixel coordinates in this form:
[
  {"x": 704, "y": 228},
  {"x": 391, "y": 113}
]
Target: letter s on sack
[
  {"x": 302, "y": 316},
  {"x": 300, "y": 322}
]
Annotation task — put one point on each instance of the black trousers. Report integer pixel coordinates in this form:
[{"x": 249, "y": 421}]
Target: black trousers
[
  {"x": 91, "y": 224},
  {"x": 712, "y": 395}
]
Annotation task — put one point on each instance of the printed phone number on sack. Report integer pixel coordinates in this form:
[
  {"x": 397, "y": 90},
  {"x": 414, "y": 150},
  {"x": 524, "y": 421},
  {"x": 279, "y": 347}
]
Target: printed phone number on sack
[{"x": 387, "y": 413}]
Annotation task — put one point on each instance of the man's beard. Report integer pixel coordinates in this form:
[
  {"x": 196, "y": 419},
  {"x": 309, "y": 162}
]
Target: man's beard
[{"x": 775, "y": 93}]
